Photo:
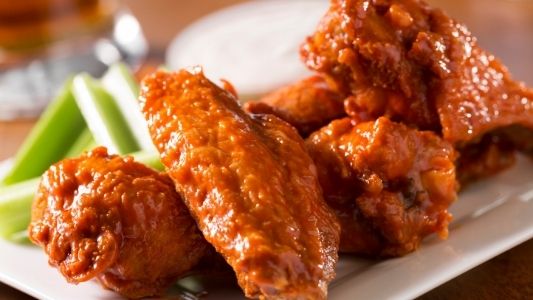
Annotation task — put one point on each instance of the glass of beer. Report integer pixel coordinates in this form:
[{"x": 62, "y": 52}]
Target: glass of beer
[{"x": 42, "y": 42}]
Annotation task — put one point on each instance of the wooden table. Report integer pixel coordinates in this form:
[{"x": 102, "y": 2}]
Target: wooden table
[{"x": 508, "y": 276}]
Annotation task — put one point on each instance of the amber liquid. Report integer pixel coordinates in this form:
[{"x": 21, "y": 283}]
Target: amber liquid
[
  {"x": 43, "y": 42},
  {"x": 26, "y": 25}
]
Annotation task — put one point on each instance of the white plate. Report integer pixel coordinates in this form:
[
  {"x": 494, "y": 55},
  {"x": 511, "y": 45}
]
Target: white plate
[{"x": 490, "y": 217}]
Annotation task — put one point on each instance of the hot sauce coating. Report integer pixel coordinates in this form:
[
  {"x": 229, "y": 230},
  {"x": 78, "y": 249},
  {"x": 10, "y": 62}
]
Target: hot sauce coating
[
  {"x": 307, "y": 104},
  {"x": 249, "y": 183},
  {"x": 411, "y": 62},
  {"x": 106, "y": 217},
  {"x": 390, "y": 185}
]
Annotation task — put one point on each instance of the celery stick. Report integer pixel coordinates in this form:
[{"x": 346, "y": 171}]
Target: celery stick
[
  {"x": 20, "y": 237},
  {"x": 102, "y": 115},
  {"x": 83, "y": 143},
  {"x": 151, "y": 159},
  {"x": 16, "y": 200},
  {"x": 15, "y": 224},
  {"x": 119, "y": 82},
  {"x": 15, "y": 206},
  {"x": 49, "y": 140}
]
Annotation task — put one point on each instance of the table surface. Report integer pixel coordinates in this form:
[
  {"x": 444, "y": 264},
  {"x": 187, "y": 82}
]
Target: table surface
[{"x": 508, "y": 276}]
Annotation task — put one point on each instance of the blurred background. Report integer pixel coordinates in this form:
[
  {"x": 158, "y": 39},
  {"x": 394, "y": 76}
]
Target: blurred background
[
  {"x": 504, "y": 27},
  {"x": 43, "y": 41}
]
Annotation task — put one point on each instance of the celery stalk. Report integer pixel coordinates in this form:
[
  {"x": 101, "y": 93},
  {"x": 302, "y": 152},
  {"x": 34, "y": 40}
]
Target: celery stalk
[
  {"x": 15, "y": 224},
  {"x": 150, "y": 159},
  {"x": 16, "y": 199},
  {"x": 119, "y": 82},
  {"x": 49, "y": 140},
  {"x": 20, "y": 237},
  {"x": 83, "y": 143},
  {"x": 15, "y": 206},
  {"x": 102, "y": 115}
]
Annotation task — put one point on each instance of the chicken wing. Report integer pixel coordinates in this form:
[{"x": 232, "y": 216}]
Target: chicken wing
[
  {"x": 106, "y": 217},
  {"x": 411, "y": 62},
  {"x": 308, "y": 104},
  {"x": 390, "y": 185},
  {"x": 249, "y": 183}
]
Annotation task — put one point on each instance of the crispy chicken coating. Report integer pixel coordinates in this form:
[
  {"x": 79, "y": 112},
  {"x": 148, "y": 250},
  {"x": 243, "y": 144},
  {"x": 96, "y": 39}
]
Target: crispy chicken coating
[
  {"x": 413, "y": 63},
  {"x": 107, "y": 217},
  {"x": 308, "y": 104},
  {"x": 390, "y": 185},
  {"x": 249, "y": 183}
]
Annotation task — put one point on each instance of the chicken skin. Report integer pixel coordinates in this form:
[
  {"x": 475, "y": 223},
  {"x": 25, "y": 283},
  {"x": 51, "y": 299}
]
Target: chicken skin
[
  {"x": 390, "y": 185},
  {"x": 308, "y": 104},
  {"x": 107, "y": 217},
  {"x": 411, "y": 62},
  {"x": 249, "y": 183}
]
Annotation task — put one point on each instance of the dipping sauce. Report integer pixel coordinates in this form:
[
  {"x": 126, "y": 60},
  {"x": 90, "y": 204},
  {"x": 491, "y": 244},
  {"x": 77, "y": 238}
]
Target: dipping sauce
[{"x": 254, "y": 45}]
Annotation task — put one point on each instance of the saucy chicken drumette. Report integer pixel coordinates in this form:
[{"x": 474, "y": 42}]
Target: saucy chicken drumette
[
  {"x": 249, "y": 183},
  {"x": 411, "y": 62},
  {"x": 110, "y": 218},
  {"x": 390, "y": 185}
]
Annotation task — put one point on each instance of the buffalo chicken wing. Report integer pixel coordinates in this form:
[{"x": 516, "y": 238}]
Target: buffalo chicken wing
[
  {"x": 249, "y": 183},
  {"x": 411, "y": 62},
  {"x": 390, "y": 185},
  {"x": 110, "y": 218}
]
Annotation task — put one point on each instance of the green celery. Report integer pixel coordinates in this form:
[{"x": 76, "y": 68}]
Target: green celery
[
  {"x": 49, "y": 140},
  {"x": 15, "y": 206},
  {"x": 120, "y": 83},
  {"x": 103, "y": 116},
  {"x": 84, "y": 142},
  {"x": 20, "y": 237},
  {"x": 150, "y": 159}
]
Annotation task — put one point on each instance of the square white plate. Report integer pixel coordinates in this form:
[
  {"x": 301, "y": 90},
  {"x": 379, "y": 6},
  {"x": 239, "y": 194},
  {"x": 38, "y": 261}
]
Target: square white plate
[{"x": 490, "y": 217}]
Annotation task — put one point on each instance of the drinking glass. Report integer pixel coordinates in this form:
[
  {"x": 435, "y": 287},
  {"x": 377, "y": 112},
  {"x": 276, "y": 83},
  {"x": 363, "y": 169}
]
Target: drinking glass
[{"x": 43, "y": 42}]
